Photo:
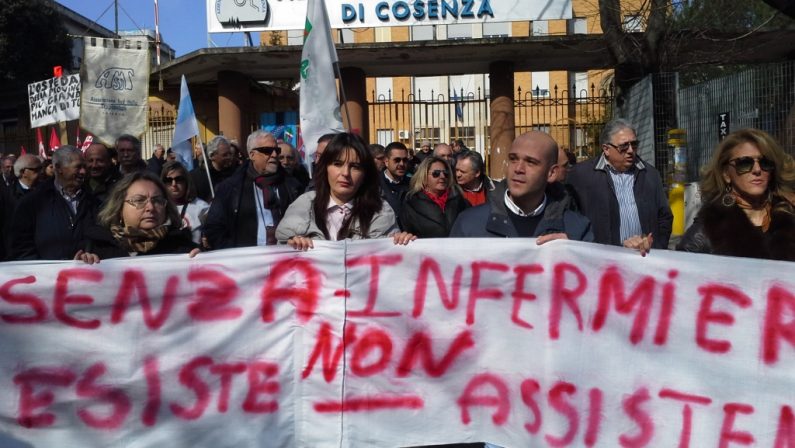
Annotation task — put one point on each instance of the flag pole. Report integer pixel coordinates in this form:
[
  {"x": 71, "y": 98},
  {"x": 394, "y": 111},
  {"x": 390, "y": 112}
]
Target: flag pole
[
  {"x": 206, "y": 167},
  {"x": 342, "y": 98}
]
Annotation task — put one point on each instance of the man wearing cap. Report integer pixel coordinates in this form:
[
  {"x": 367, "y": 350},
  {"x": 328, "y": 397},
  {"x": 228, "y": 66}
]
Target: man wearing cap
[
  {"x": 519, "y": 206},
  {"x": 622, "y": 195},
  {"x": 249, "y": 204}
]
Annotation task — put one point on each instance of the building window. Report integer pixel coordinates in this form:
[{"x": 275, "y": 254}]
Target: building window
[
  {"x": 426, "y": 88},
  {"x": 423, "y": 32},
  {"x": 579, "y": 82},
  {"x": 540, "y": 28},
  {"x": 459, "y": 31},
  {"x": 465, "y": 133},
  {"x": 430, "y": 134},
  {"x": 347, "y": 36},
  {"x": 385, "y": 136},
  {"x": 383, "y": 89},
  {"x": 295, "y": 37},
  {"x": 540, "y": 84},
  {"x": 496, "y": 29},
  {"x": 578, "y": 25},
  {"x": 633, "y": 23}
]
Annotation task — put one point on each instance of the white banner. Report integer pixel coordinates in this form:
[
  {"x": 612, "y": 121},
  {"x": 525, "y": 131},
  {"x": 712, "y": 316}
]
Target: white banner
[
  {"x": 224, "y": 16},
  {"x": 115, "y": 88},
  {"x": 54, "y": 100},
  {"x": 567, "y": 344}
]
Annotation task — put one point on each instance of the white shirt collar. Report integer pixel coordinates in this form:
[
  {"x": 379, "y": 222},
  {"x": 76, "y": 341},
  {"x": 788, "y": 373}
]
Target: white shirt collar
[{"x": 518, "y": 211}]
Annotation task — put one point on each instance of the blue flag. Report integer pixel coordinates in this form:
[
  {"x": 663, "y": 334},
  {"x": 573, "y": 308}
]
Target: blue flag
[{"x": 186, "y": 127}]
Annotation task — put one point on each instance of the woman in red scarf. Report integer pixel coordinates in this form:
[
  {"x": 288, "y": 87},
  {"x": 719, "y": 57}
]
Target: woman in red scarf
[{"x": 433, "y": 201}]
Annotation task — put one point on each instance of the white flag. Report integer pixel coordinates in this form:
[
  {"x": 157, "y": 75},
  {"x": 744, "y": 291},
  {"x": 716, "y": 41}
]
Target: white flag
[
  {"x": 186, "y": 127},
  {"x": 320, "y": 109}
]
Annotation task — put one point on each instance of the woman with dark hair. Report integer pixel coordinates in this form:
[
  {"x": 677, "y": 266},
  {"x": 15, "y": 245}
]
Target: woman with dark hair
[
  {"x": 192, "y": 209},
  {"x": 747, "y": 190},
  {"x": 433, "y": 201},
  {"x": 138, "y": 218},
  {"x": 346, "y": 202}
]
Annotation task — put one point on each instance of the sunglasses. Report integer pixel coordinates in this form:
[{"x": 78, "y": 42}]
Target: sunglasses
[
  {"x": 437, "y": 173},
  {"x": 175, "y": 179},
  {"x": 267, "y": 150},
  {"x": 35, "y": 170},
  {"x": 746, "y": 164},
  {"x": 400, "y": 160},
  {"x": 139, "y": 202},
  {"x": 624, "y": 147}
]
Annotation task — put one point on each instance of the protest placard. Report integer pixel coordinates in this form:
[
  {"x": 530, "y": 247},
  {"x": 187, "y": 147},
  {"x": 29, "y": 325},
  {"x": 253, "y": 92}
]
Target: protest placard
[
  {"x": 54, "y": 100},
  {"x": 369, "y": 344}
]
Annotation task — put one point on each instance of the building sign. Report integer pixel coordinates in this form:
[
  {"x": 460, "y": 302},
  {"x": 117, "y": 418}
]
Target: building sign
[
  {"x": 54, "y": 100},
  {"x": 225, "y": 16},
  {"x": 723, "y": 125}
]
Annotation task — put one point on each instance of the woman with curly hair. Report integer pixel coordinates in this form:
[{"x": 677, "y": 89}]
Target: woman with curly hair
[{"x": 747, "y": 192}]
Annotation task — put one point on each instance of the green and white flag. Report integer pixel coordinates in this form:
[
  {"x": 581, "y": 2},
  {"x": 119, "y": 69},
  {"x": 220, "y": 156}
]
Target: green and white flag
[{"x": 320, "y": 108}]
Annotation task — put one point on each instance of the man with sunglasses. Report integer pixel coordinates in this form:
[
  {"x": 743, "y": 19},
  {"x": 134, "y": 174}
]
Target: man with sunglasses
[
  {"x": 249, "y": 204},
  {"x": 622, "y": 195},
  {"x": 394, "y": 182}
]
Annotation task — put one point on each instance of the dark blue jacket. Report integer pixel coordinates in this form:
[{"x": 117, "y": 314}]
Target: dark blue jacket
[
  {"x": 597, "y": 200},
  {"x": 491, "y": 220},
  {"x": 44, "y": 227}
]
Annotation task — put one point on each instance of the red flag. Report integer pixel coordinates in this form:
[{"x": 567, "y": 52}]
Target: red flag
[
  {"x": 57, "y": 71},
  {"x": 22, "y": 150},
  {"x": 55, "y": 142},
  {"x": 42, "y": 152},
  {"x": 87, "y": 142}
]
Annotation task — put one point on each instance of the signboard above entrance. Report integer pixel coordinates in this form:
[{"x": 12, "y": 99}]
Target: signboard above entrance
[{"x": 225, "y": 16}]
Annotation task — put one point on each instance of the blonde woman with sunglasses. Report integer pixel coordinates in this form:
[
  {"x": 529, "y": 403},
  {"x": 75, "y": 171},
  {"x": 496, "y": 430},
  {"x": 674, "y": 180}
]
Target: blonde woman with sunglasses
[
  {"x": 433, "y": 201},
  {"x": 747, "y": 189}
]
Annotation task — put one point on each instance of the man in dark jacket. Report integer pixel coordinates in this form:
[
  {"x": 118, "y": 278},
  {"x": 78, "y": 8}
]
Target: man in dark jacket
[
  {"x": 48, "y": 223},
  {"x": 101, "y": 173},
  {"x": 249, "y": 205},
  {"x": 128, "y": 153},
  {"x": 155, "y": 163},
  {"x": 394, "y": 182},
  {"x": 222, "y": 165},
  {"x": 621, "y": 194},
  {"x": 520, "y": 206}
]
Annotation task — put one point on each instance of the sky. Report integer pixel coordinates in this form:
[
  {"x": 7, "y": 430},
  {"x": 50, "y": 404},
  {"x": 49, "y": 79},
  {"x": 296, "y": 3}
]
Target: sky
[{"x": 183, "y": 23}]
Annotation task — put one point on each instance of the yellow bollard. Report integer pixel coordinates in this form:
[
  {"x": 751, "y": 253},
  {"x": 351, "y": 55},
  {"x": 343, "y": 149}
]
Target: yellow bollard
[{"x": 677, "y": 141}]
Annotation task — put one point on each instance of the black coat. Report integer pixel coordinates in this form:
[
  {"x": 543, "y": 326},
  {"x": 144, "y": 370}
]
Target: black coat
[
  {"x": 99, "y": 240},
  {"x": 596, "y": 198},
  {"x": 424, "y": 218},
  {"x": 202, "y": 183},
  {"x": 224, "y": 228},
  {"x": 394, "y": 193},
  {"x": 723, "y": 230},
  {"x": 44, "y": 227}
]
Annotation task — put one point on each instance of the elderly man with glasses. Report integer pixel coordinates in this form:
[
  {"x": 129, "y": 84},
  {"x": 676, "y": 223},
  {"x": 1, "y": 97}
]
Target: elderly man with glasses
[
  {"x": 249, "y": 204},
  {"x": 621, "y": 194}
]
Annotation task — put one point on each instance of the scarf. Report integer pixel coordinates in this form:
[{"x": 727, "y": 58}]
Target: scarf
[
  {"x": 440, "y": 200},
  {"x": 745, "y": 205},
  {"x": 268, "y": 183},
  {"x": 133, "y": 239}
]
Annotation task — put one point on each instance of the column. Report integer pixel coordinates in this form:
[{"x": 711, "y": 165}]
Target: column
[
  {"x": 502, "y": 130},
  {"x": 233, "y": 92},
  {"x": 356, "y": 117}
]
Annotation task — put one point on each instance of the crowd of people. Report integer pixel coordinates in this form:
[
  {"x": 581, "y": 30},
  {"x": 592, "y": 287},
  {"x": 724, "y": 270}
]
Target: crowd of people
[{"x": 108, "y": 202}]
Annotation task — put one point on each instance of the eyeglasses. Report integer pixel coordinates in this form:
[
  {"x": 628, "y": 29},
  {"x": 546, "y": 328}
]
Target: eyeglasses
[
  {"x": 746, "y": 164},
  {"x": 267, "y": 150},
  {"x": 139, "y": 202},
  {"x": 35, "y": 170},
  {"x": 624, "y": 147},
  {"x": 437, "y": 173},
  {"x": 400, "y": 160},
  {"x": 175, "y": 179}
]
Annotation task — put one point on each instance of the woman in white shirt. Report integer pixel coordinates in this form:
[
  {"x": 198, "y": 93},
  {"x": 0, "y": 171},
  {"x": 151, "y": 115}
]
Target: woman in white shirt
[
  {"x": 192, "y": 210},
  {"x": 346, "y": 202}
]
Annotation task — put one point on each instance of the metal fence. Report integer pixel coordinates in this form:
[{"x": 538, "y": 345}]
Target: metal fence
[
  {"x": 160, "y": 130},
  {"x": 761, "y": 97},
  {"x": 573, "y": 120}
]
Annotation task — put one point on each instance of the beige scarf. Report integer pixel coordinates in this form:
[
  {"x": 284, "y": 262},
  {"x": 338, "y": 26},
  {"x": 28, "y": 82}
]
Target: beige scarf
[{"x": 133, "y": 239}]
